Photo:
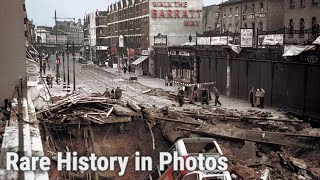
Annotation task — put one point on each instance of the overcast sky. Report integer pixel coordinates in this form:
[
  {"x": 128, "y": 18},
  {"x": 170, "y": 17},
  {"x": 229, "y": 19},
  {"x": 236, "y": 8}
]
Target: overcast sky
[{"x": 42, "y": 11}]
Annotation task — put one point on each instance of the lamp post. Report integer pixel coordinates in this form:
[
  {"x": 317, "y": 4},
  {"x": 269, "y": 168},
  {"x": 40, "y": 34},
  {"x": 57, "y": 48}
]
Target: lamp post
[
  {"x": 74, "y": 68},
  {"x": 63, "y": 59},
  {"x": 68, "y": 65}
]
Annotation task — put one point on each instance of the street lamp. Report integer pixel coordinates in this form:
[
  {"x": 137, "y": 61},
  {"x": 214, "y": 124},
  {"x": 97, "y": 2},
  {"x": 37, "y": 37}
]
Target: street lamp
[{"x": 74, "y": 68}]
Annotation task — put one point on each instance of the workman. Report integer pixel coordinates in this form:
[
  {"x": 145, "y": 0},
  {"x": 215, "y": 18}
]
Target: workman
[
  {"x": 107, "y": 93},
  {"x": 180, "y": 96},
  {"x": 118, "y": 93}
]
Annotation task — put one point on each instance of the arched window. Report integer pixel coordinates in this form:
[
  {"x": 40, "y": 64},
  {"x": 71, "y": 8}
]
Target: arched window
[
  {"x": 230, "y": 27},
  {"x": 253, "y": 8},
  {"x": 314, "y": 25},
  {"x": 261, "y": 7},
  {"x": 291, "y": 3},
  {"x": 230, "y": 12},
  {"x": 291, "y": 26},
  {"x": 245, "y": 9},
  {"x": 301, "y": 27},
  {"x": 237, "y": 10}
]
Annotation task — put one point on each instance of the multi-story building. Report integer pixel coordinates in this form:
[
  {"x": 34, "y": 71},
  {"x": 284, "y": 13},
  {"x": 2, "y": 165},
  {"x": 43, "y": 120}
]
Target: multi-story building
[
  {"x": 140, "y": 21},
  {"x": 301, "y": 18},
  {"x": 210, "y": 18},
  {"x": 265, "y": 15},
  {"x": 101, "y": 35},
  {"x": 131, "y": 20}
]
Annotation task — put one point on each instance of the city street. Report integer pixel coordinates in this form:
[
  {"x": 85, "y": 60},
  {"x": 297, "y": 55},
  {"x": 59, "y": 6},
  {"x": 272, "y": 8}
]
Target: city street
[
  {"x": 166, "y": 90},
  {"x": 93, "y": 81}
]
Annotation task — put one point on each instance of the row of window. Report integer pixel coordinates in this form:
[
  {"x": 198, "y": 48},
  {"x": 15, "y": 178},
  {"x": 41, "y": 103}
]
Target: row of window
[
  {"x": 314, "y": 25},
  {"x": 247, "y": 9},
  {"x": 303, "y": 3},
  {"x": 237, "y": 29}
]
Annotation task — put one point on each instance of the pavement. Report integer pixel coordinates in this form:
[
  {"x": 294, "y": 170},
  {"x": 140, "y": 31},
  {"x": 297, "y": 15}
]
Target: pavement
[{"x": 94, "y": 79}]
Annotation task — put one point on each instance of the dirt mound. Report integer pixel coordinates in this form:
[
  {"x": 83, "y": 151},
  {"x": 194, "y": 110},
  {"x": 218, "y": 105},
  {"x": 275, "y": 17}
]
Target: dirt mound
[{"x": 157, "y": 92}]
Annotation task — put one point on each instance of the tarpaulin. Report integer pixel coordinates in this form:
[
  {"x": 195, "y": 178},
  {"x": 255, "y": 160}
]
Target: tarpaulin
[
  {"x": 294, "y": 50},
  {"x": 317, "y": 41},
  {"x": 236, "y": 48}
]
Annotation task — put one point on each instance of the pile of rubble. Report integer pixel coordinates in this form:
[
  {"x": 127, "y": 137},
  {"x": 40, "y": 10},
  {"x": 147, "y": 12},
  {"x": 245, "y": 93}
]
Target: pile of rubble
[
  {"x": 156, "y": 92},
  {"x": 255, "y": 151},
  {"x": 86, "y": 109}
]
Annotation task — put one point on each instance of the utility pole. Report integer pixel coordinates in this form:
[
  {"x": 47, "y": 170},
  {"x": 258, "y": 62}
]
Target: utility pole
[
  {"x": 55, "y": 20},
  {"x": 68, "y": 65},
  {"x": 74, "y": 68}
]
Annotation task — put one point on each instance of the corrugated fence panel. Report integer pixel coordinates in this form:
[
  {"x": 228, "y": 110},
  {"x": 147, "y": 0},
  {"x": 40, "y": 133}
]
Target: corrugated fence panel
[
  {"x": 295, "y": 88},
  {"x": 280, "y": 80},
  {"x": 266, "y": 80},
  {"x": 222, "y": 75},
  {"x": 313, "y": 92},
  {"x": 243, "y": 80},
  {"x": 234, "y": 73}
]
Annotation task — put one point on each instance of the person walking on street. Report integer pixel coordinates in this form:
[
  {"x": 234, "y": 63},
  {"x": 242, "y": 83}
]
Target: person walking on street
[
  {"x": 170, "y": 79},
  {"x": 44, "y": 67},
  {"x": 125, "y": 69},
  {"x": 216, "y": 93},
  {"x": 129, "y": 68},
  {"x": 118, "y": 93},
  {"x": 258, "y": 97},
  {"x": 251, "y": 96},
  {"x": 262, "y": 92},
  {"x": 106, "y": 93},
  {"x": 205, "y": 97},
  {"x": 180, "y": 96},
  {"x": 166, "y": 79}
]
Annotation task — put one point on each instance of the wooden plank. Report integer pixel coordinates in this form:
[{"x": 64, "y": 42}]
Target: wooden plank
[
  {"x": 227, "y": 131},
  {"x": 178, "y": 121},
  {"x": 116, "y": 119},
  {"x": 124, "y": 111},
  {"x": 109, "y": 112}
]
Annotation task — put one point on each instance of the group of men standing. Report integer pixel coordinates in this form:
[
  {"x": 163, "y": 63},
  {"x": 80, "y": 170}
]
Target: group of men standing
[
  {"x": 205, "y": 94},
  {"x": 114, "y": 94},
  {"x": 257, "y": 97},
  {"x": 168, "y": 79}
]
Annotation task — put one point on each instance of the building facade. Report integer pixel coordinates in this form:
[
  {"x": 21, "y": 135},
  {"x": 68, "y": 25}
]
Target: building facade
[
  {"x": 210, "y": 17},
  {"x": 261, "y": 14},
  {"x": 301, "y": 18}
]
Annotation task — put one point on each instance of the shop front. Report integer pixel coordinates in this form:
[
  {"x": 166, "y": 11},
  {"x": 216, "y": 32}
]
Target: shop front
[{"x": 141, "y": 65}]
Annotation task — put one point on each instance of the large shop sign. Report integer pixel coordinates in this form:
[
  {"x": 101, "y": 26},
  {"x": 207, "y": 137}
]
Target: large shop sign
[
  {"x": 175, "y": 9},
  {"x": 160, "y": 40},
  {"x": 246, "y": 35},
  {"x": 214, "y": 41}
]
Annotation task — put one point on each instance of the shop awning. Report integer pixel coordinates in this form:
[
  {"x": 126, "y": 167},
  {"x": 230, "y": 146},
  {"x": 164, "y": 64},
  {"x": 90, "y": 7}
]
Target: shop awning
[
  {"x": 317, "y": 41},
  {"x": 294, "y": 50},
  {"x": 140, "y": 60}
]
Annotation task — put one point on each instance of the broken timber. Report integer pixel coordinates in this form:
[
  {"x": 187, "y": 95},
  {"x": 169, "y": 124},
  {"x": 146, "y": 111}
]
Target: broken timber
[
  {"x": 287, "y": 139},
  {"x": 178, "y": 121},
  {"x": 222, "y": 116}
]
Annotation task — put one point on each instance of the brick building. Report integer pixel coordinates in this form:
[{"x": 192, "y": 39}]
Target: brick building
[
  {"x": 262, "y": 14},
  {"x": 101, "y": 35},
  {"x": 131, "y": 20},
  {"x": 301, "y": 18},
  {"x": 210, "y": 17}
]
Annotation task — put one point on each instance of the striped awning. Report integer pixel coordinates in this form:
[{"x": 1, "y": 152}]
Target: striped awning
[{"x": 140, "y": 60}]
